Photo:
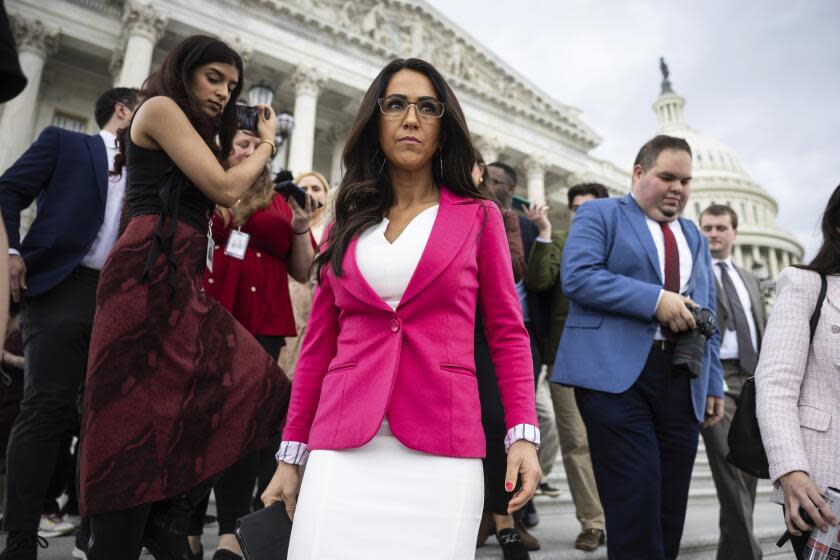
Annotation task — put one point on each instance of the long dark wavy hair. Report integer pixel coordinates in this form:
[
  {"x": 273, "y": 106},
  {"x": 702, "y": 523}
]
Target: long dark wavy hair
[
  {"x": 173, "y": 79},
  {"x": 827, "y": 260},
  {"x": 366, "y": 194}
]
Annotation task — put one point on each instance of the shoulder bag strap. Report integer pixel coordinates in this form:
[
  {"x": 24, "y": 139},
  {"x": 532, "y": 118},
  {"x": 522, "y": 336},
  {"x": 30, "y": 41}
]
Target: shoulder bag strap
[{"x": 815, "y": 316}]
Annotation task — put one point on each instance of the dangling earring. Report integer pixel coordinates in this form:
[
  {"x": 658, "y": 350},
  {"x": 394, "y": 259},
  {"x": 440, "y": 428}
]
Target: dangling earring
[
  {"x": 440, "y": 154},
  {"x": 381, "y": 167}
]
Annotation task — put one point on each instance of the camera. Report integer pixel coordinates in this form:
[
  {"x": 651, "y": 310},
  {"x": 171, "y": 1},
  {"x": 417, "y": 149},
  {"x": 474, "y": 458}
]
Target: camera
[
  {"x": 285, "y": 186},
  {"x": 690, "y": 345},
  {"x": 248, "y": 117}
]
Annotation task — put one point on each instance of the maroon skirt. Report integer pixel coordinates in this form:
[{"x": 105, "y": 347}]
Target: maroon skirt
[{"x": 176, "y": 389}]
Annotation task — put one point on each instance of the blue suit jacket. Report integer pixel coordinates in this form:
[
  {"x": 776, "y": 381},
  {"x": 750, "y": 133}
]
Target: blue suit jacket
[
  {"x": 610, "y": 272},
  {"x": 68, "y": 173}
]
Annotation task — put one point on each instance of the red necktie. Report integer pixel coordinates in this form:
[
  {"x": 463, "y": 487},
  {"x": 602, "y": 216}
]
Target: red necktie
[
  {"x": 672, "y": 268},
  {"x": 672, "y": 259}
]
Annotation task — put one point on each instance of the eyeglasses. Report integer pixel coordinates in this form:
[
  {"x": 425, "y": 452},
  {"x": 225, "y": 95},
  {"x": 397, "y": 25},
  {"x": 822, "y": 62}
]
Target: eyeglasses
[{"x": 428, "y": 107}]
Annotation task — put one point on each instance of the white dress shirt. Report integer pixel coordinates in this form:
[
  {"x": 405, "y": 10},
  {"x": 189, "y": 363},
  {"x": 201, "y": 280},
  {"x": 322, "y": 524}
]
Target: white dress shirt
[
  {"x": 686, "y": 260},
  {"x": 107, "y": 236},
  {"x": 387, "y": 267},
  {"x": 729, "y": 342}
]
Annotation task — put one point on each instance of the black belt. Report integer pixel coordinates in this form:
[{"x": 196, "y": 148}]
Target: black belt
[{"x": 87, "y": 272}]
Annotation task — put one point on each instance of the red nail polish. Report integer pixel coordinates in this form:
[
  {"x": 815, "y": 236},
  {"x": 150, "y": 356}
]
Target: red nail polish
[{"x": 508, "y": 486}]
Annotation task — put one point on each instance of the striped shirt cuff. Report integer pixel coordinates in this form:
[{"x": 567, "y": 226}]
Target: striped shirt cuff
[
  {"x": 292, "y": 452},
  {"x": 522, "y": 431}
]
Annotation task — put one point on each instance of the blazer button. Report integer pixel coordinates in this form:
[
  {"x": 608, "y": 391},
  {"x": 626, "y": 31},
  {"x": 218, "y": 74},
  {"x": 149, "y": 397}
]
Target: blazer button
[
  {"x": 253, "y": 288},
  {"x": 395, "y": 326},
  {"x": 835, "y": 328},
  {"x": 837, "y": 366},
  {"x": 209, "y": 280},
  {"x": 259, "y": 254}
]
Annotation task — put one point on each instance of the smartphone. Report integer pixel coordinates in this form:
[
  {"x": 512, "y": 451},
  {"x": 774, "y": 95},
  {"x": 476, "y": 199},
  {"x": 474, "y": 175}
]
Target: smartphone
[
  {"x": 248, "y": 117},
  {"x": 520, "y": 204},
  {"x": 290, "y": 190}
]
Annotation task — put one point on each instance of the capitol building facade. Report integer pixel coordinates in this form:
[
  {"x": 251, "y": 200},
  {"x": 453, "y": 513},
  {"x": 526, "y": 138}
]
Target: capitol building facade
[{"x": 319, "y": 57}]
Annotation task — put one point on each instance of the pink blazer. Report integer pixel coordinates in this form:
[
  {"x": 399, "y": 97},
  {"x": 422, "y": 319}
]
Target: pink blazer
[{"x": 361, "y": 361}]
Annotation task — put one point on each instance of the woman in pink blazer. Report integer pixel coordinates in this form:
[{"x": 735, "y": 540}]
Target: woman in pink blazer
[
  {"x": 385, "y": 400},
  {"x": 798, "y": 386}
]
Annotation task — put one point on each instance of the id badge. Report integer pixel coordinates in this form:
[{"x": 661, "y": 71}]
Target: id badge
[
  {"x": 208, "y": 258},
  {"x": 236, "y": 244}
]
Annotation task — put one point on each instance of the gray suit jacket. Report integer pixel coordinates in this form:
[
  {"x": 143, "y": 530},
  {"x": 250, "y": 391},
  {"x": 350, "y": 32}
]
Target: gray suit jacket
[{"x": 757, "y": 302}]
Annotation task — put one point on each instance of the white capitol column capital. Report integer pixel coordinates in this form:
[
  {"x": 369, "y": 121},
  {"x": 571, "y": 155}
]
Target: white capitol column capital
[
  {"x": 144, "y": 20},
  {"x": 490, "y": 147},
  {"x": 143, "y": 26},
  {"x": 535, "y": 168},
  {"x": 577, "y": 178},
  {"x": 33, "y": 37},
  {"x": 243, "y": 49},
  {"x": 35, "y": 42},
  {"x": 535, "y": 165},
  {"x": 308, "y": 80}
]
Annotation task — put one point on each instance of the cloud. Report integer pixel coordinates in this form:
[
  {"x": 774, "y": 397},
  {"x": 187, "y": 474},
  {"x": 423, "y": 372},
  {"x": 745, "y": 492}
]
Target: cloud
[{"x": 761, "y": 77}]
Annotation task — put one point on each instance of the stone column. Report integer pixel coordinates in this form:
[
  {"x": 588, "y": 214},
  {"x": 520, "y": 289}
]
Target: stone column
[
  {"x": 35, "y": 42},
  {"x": 143, "y": 25},
  {"x": 535, "y": 174},
  {"x": 738, "y": 256},
  {"x": 773, "y": 263},
  {"x": 747, "y": 257},
  {"x": 337, "y": 138},
  {"x": 307, "y": 82},
  {"x": 785, "y": 259},
  {"x": 490, "y": 148},
  {"x": 756, "y": 256}
]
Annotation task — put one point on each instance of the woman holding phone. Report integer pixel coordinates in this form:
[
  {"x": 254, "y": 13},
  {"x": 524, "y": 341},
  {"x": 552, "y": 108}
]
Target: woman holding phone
[
  {"x": 176, "y": 389},
  {"x": 317, "y": 187}
]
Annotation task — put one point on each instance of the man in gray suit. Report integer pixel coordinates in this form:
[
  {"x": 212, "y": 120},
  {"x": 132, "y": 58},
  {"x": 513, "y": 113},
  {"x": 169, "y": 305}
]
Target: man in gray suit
[{"x": 741, "y": 320}]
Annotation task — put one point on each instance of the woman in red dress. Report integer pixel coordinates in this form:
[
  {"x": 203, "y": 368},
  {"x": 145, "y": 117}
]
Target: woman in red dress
[
  {"x": 318, "y": 187},
  {"x": 176, "y": 389}
]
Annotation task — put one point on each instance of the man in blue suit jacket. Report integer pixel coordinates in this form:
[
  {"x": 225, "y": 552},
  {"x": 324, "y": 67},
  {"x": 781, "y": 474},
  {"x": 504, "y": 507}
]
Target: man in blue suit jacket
[
  {"x": 53, "y": 272},
  {"x": 629, "y": 268}
]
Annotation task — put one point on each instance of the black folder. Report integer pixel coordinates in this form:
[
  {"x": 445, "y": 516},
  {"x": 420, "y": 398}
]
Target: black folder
[{"x": 265, "y": 534}]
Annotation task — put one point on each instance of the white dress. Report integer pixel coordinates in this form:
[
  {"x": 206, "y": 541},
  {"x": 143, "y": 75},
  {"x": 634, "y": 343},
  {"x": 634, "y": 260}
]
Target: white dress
[{"x": 384, "y": 500}]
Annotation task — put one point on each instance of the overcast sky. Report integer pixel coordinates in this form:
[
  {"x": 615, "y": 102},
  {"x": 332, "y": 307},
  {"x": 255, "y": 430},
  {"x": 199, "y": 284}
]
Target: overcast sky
[{"x": 762, "y": 76}]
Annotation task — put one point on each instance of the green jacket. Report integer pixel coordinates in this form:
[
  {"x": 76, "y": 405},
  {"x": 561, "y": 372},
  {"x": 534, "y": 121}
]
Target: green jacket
[{"x": 543, "y": 275}]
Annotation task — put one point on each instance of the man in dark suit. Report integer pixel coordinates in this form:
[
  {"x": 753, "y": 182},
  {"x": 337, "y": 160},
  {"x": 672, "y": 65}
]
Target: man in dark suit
[
  {"x": 53, "y": 273},
  {"x": 741, "y": 319},
  {"x": 632, "y": 268}
]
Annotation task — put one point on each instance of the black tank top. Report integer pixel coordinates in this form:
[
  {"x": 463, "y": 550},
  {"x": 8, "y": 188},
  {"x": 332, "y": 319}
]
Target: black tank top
[{"x": 155, "y": 185}]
